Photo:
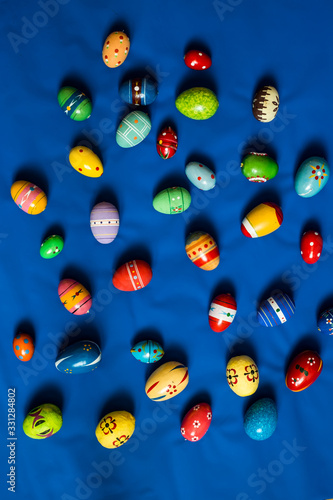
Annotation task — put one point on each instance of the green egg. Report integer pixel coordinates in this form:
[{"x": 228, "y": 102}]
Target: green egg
[
  {"x": 197, "y": 103},
  {"x": 51, "y": 246},
  {"x": 259, "y": 167},
  {"x": 173, "y": 200},
  {"x": 42, "y": 421},
  {"x": 74, "y": 103}
]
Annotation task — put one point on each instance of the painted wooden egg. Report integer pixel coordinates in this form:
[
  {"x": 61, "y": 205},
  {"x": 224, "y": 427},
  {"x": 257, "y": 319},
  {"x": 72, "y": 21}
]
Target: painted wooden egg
[
  {"x": 259, "y": 167},
  {"x": 311, "y": 246},
  {"x": 115, "y": 49},
  {"x": 167, "y": 143},
  {"x": 133, "y": 129},
  {"x": 23, "y": 346},
  {"x": 28, "y": 197},
  {"x": 303, "y": 371},
  {"x": 196, "y": 59},
  {"x": 261, "y": 419},
  {"x": 134, "y": 275},
  {"x": 222, "y": 312},
  {"x": 262, "y": 220},
  {"x": 265, "y": 104},
  {"x": 75, "y": 297},
  {"x": 104, "y": 222},
  {"x": 311, "y": 176},
  {"x": 174, "y": 200},
  {"x": 201, "y": 176},
  {"x": 51, "y": 246},
  {"x": 43, "y": 421},
  {"x": 276, "y": 310},
  {"x": 82, "y": 357},
  {"x": 138, "y": 91},
  {"x": 196, "y": 422},
  {"x": 242, "y": 375},
  {"x": 325, "y": 322},
  {"x": 197, "y": 103},
  {"x": 167, "y": 381},
  {"x": 74, "y": 103},
  {"x": 202, "y": 250},
  {"x": 85, "y": 161},
  {"x": 147, "y": 351},
  {"x": 115, "y": 429}
]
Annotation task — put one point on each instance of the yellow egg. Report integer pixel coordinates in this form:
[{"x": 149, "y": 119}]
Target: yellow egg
[
  {"x": 85, "y": 161},
  {"x": 116, "y": 48},
  {"x": 242, "y": 375},
  {"x": 115, "y": 429},
  {"x": 167, "y": 381}
]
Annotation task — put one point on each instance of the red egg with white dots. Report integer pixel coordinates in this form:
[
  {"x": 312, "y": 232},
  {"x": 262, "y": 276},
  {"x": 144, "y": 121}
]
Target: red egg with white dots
[
  {"x": 196, "y": 422},
  {"x": 311, "y": 246},
  {"x": 167, "y": 143},
  {"x": 85, "y": 161},
  {"x": 115, "y": 49},
  {"x": 201, "y": 176},
  {"x": 23, "y": 346},
  {"x": 196, "y": 59}
]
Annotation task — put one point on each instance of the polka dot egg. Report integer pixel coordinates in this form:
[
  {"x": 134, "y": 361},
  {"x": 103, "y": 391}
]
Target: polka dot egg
[
  {"x": 23, "y": 346},
  {"x": 116, "y": 48},
  {"x": 201, "y": 176}
]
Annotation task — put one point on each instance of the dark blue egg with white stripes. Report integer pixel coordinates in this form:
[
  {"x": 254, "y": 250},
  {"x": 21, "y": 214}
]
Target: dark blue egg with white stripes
[
  {"x": 82, "y": 357},
  {"x": 276, "y": 310},
  {"x": 325, "y": 322},
  {"x": 138, "y": 91}
]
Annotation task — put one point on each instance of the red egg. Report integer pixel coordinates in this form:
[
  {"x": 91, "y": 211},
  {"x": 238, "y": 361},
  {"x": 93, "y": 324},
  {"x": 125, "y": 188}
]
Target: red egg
[
  {"x": 23, "y": 346},
  {"x": 222, "y": 312},
  {"x": 196, "y": 59},
  {"x": 303, "y": 371},
  {"x": 311, "y": 246},
  {"x": 167, "y": 143},
  {"x": 133, "y": 275},
  {"x": 196, "y": 422}
]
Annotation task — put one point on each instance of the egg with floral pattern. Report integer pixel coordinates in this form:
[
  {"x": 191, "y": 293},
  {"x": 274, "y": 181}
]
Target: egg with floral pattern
[
  {"x": 167, "y": 381},
  {"x": 196, "y": 422},
  {"x": 325, "y": 322},
  {"x": 311, "y": 176},
  {"x": 115, "y": 429},
  {"x": 115, "y": 49},
  {"x": 242, "y": 375},
  {"x": 303, "y": 371}
]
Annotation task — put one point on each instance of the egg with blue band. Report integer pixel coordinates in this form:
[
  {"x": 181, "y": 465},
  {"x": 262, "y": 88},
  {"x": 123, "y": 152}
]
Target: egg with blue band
[
  {"x": 82, "y": 357},
  {"x": 276, "y": 310},
  {"x": 138, "y": 91}
]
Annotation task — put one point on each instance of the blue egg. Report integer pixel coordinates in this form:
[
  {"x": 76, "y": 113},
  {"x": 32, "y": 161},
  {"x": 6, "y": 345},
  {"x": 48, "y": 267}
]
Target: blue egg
[
  {"x": 276, "y": 310},
  {"x": 311, "y": 176},
  {"x": 325, "y": 322},
  {"x": 82, "y": 357},
  {"x": 201, "y": 176},
  {"x": 147, "y": 351},
  {"x": 138, "y": 91},
  {"x": 260, "y": 419}
]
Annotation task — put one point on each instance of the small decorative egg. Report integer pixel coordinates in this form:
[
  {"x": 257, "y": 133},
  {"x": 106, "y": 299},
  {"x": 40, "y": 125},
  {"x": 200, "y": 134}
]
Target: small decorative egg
[
  {"x": 104, "y": 222},
  {"x": 259, "y": 167},
  {"x": 201, "y": 176},
  {"x": 242, "y": 375},
  {"x": 147, "y": 351},
  {"x": 174, "y": 200},
  {"x": 134, "y": 275},
  {"x": 43, "y": 421},
  {"x": 82, "y": 357},
  {"x": 325, "y": 322},
  {"x": 196, "y": 422},
  {"x": 115, "y": 49},
  {"x": 261, "y": 419},
  {"x": 303, "y": 371},
  {"x": 276, "y": 310},
  {"x": 28, "y": 197},
  {"x": 74, "y": 103},
  {"x": 311, "y": 246},
  {"x": 75, "y": 297},
  {"x": 138, "y": 91},
  {"x": 133, "y": 129},
  {"x": 23, "y": 346},
  {"x": 265, "y": 104},
  {"x": 167, "y": 381},
  {"x": 51, "y": 246},
  {"x": 197, "y": 103},
  {"x": 167, "y": 143},
  {"x": 222, "y": 312},
  {"x": 311, "y": 176},
  {"x": 85, "y": 161},
  {"x": 202, "y": 250},
  {"x": 262, "y": 220},
  {"x": 115, "y": 429},
  {"x": 196, "y": 59}
]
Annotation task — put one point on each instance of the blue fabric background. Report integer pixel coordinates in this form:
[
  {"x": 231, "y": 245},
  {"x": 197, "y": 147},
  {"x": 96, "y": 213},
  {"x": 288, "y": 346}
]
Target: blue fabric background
[{"x": 287, "y": 44}]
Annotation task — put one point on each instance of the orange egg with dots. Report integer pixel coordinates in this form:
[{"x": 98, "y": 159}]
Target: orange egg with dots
[
  {"x": 23, "y": 346},
  {"x": 115, "y": 49}
]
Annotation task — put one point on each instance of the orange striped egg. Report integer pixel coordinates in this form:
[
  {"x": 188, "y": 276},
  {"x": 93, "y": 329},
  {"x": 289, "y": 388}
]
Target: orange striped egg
[
  {"x": 29, "y": 197},
  {"x": 202, "y": 250},
  {"x": 167, "y": 381},
  {"x": 132, "y": 275},
  {"x": 75, "y": 297}
]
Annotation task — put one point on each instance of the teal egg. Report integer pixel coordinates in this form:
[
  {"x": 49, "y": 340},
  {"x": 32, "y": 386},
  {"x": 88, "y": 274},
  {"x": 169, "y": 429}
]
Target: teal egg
[
  {"x": 147, "y": 351},
  {"x": 261, "y": 419},
  {"x": 133, "y": 129},
  {"x": 51, "y": 246},
  {"x": 201, "y": 176},
  {"x": 312, "y": 176},
  {"x": 197, "y": 103}
]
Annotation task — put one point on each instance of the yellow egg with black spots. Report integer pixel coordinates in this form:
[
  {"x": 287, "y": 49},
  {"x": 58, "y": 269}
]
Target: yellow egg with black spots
[
  {"x": 85, "y": 161},
  {"x": 242, "y": 375},
  {"x": 115, "y": 429}
]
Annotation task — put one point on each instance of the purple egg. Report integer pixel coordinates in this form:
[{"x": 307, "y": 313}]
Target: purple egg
[{"x": 104, "y": 222}]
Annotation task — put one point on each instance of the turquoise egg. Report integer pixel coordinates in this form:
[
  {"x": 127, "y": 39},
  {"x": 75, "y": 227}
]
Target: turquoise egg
[
  {"x": 311, "y": 176},
  {"x": 260, "y": 419},
  {"x": 201, "y": 176},
  {"x": 147, "y": 351},
  {"x": 133, "y": 129}
]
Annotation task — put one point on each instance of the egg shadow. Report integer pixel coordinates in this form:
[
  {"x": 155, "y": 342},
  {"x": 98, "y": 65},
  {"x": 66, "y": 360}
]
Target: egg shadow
[
  {"x": 106, "y": 193},
  {"x": 89, "y": 334},
  {"x": 37, "y": 177},
  {"x": 55, "y": 230},
  {"x": 268, "y": 196},
  {"x": 313, "y": 148},
  {"x": 73, "y": 272},
  {"x": 72, "y": 80},
  {"x": 120, "y": 25},
  {"x": 149, "y": 333},
  {"x": 200, "y": 157},
  {"x": 80, "y": 140},
  {"x": 200, "y": 397},
  {"x": 119, "y": 401},
  {"x": 311, "y": 225},
  {"x": 269, "y": 79},
  {"x": 204, "y": 224},
  {"x": 48, "y": 394},
  {"x": 26, "y": 326},
  {"x": 263, "y": 391},
  {"x": 174, "y": 352},
  {"x": 308, "y": 342},
  {"x": 200, "y": 45},
  {"x": 327, "y": 303},
  {"x": 246, "y": 348},
  {"x": 172, "y": 180},
  {"x": 269, "y": 149},
  {"x": 224, "y": 286},
  {"x": 275, "y": 286},
  {"x": 202, "y": 79},
  {"x": 135, "y": 252},
  {"x": 139, "y": 71}
]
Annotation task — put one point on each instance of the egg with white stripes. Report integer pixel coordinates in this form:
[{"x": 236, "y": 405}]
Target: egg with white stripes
[
  {"x": 132, "y": 275},
  {"x": 262, "y": 220},
  {"x": 82, "y": 357},
  {"x": 133, "y": 129},
  {"x": 276, "y": 309},
  {"x": 222, "y": 312},
  {"x": 104, "y": 222}
]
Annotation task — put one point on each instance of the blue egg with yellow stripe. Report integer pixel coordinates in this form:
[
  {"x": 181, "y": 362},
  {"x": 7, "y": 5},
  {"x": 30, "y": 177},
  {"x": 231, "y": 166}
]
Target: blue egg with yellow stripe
[
  {"x": 74, "y": 103},
  {"x": 276, "y": 310},
  {"x": 82, "y": 357},
  {"x": 138, "y": 91},
  {"x": 133, "y": 129},
  {"x": 147, "y": 351}
]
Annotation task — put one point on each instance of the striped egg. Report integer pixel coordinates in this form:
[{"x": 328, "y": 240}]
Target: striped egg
[
  {"x": 75, "y": 297},
  {"x": 276, "y": 310},
  {"x": 262, "y": 220},
  {"x": 222, "y": 312},
  {"x": 133, "y": 129},
  {"x": 172, "y": 201},
  {"x": 132, "y": 275},
  {"x": 202, "y": 250},
  {"x": 138, "y": 91},
  {"x": 28, "y": 197},
  {"x": 104, "y": 222},
  {"x": 74, "y": 103}
]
